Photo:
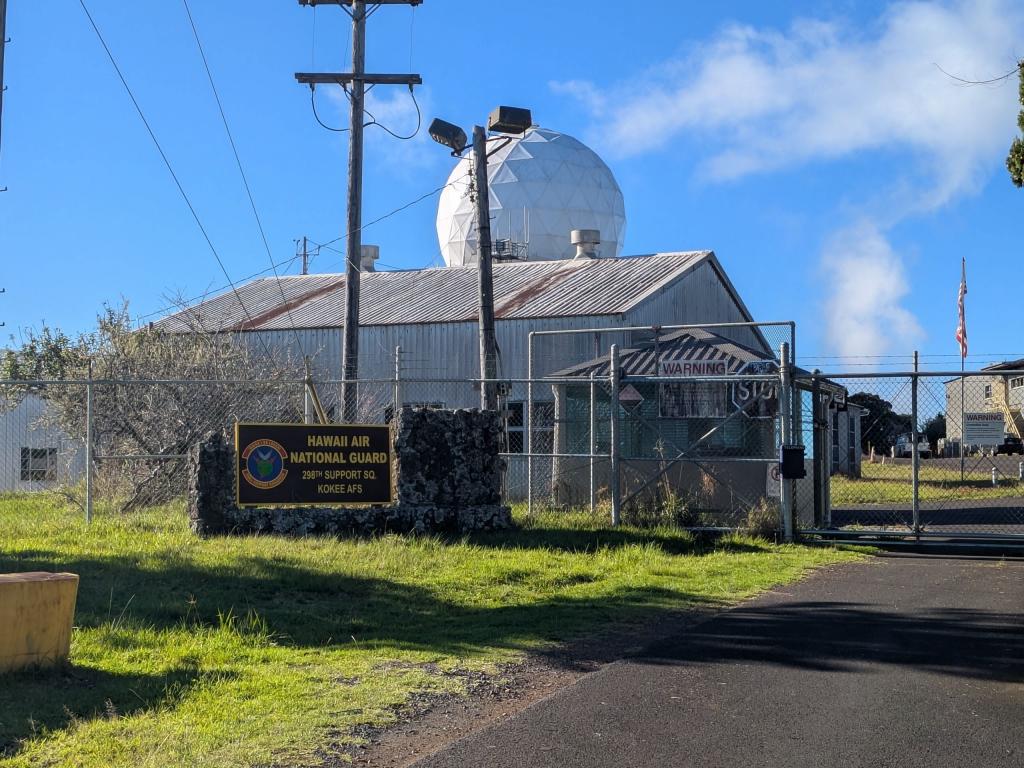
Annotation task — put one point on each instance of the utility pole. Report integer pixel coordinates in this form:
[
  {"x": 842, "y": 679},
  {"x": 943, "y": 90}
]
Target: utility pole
[
  {"x": 305, "y": 256},
  {"x": 355, "y": 80},
  {"x": 488, "y": 356},
  {"x": 3, "y": 44}
]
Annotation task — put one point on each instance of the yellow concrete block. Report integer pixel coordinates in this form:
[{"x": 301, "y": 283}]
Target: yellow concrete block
[{"x": 36, "y": 614}]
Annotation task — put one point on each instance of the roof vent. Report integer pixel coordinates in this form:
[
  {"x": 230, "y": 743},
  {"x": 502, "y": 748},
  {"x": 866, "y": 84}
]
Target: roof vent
[
  {"x": 586, "y": 242},
  {"x": 370, "y": 254}
]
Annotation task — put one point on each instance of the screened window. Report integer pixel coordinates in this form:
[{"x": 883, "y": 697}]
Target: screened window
[
  {"x": 543, "y": 425},
  {"x": 38, "y": 465},
  {"x": 515, "y": 441}
]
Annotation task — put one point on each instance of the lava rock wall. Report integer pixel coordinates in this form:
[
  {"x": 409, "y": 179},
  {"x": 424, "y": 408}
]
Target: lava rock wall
[{"x": 448, "y": 480}]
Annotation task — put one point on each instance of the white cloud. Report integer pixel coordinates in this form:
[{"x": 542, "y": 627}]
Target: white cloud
[
  {"x": 764, "y": 100},
  {"x": 772, "y": 100},
  {"x": 867, "y": 282}
]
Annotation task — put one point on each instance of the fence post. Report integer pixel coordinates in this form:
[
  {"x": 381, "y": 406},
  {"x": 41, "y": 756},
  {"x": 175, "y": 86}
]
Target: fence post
[
  {"x": 818, "y": 412},
  {"x": 307, "y": 396},
  {"x": 528, "y": 418},
  {"x": 785, "y": 415},
  {"x": 398, "y": 384},
  {"x": 915, "y": 454},
  {"x": 88, "y": 447},
  {"x": 614, "y": 429},
  {"x": 593, "y": 443}
]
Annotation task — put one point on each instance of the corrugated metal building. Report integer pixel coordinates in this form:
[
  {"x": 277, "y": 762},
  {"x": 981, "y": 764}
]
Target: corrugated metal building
[{"x": 432, "y": 313}]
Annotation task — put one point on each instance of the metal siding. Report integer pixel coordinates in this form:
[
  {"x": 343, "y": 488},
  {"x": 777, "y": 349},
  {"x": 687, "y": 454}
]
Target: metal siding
[{"x": 698, "y": 297}]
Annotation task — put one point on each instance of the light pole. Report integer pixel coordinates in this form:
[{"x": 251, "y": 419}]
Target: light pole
[{"x": 506, "y": 120}]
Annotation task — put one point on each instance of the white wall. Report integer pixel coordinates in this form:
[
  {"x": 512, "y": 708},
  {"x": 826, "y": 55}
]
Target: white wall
[{"x": 25, "y": 426}]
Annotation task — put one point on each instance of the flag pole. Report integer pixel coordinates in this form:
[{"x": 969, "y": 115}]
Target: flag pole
[
  {"x": 963, "y": 422},
  {"x": 961, "y": 337}
]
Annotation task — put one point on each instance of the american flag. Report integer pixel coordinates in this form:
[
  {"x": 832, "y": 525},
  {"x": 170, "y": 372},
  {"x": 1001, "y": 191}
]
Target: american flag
[{"x": 961, "y": 328}]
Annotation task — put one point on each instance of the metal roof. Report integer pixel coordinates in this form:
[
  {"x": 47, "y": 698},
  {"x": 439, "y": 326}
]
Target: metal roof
[
  {"x": 442, "y": 295},
  {"x": 690, "y": 345}
]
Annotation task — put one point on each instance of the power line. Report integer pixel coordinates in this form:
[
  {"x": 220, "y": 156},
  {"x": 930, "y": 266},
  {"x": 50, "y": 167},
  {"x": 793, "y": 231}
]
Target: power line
[
  {"x": 419, "y": 120},
  {"x": 241, "y": 171},
  {"x": 998, "y": 79},
  {"x": 419, "y": 199},
  {"x": 316, "y": 115},
  {"x": 203, "y": 296},
  {"x": 170, "y": 170}
]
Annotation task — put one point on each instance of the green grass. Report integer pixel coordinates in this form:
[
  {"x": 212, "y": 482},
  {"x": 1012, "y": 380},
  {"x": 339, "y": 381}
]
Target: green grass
[
  {"x": 255, "y": 651},
  {"x": 891, "y": 483}
]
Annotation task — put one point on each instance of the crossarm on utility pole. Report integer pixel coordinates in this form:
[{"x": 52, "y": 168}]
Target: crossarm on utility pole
[
  {"x": 350, "y": 2},
  {"x": 344, "y": 78}
]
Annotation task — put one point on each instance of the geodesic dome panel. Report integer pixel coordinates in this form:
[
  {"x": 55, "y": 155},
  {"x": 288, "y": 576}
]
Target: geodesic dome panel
[{"x": 542, "y": 186}]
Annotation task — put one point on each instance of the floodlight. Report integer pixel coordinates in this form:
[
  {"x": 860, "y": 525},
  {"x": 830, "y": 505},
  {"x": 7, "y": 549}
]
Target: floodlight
[
  {"x": 449, "y": 135},
  {"x": 515, "y": 120}
]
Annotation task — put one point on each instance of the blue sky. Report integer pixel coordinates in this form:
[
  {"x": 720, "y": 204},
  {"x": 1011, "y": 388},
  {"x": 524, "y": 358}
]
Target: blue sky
[{"x": 815, "y": 147}]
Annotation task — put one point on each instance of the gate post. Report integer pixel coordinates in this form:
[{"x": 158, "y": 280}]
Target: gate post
[
  {"x": 614, "y": 429},
  {"x": 817, "y": 446},
  {"x": 786, "y": 429},
  {"x": 915, "y": 456}
]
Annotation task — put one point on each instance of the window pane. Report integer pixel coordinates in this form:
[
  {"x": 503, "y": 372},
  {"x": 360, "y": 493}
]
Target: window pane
[
  {"x": 514, "y": 442},
  {"x": 515, "y": 414}
]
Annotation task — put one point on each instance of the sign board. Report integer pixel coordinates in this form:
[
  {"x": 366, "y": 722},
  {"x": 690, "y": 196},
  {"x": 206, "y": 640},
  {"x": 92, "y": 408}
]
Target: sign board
[
  {"x": 630, "y": 395},
  {"x": 313, "y": 464},
  {"x": 773, "y": 482},
  {"x": 756, "y": 398},
  {"x": 984, "y": 428},
  {"x": 690, "y": 368}
]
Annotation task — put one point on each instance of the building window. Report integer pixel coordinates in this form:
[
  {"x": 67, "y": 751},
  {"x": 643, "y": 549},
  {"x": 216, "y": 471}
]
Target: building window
[
  {"x": 514, "y": 432},
  {"x": 543, "y": 425},
  {"x": 1017, "y": 382},
  {"x": 38, "y": 465},
  {"x": 988, "y": 391}
]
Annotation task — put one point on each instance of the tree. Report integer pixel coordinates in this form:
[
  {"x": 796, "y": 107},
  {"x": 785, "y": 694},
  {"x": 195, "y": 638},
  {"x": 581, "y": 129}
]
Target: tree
[
  {"x": 935, "y": 429},
  {"x": 1015, "y": 160},
  {"x": 155, "y": 394},
  {"x": 882, "y": 425}
]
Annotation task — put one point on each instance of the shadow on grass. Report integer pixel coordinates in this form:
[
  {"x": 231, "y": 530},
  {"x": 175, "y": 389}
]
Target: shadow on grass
[
  {"x": 582, "y": 540},
  {"x": 302, "y": 608},
  {"x": 35, "y": 701}
]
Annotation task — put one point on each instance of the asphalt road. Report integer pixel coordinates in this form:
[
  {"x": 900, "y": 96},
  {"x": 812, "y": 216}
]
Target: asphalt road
[{"x": 903, "y": 661}]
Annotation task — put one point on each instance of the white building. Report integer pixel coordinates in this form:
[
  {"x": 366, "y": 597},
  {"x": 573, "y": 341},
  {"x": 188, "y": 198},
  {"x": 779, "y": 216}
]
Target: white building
[
  {"x": 36, "y": 454},
  {"x": 1001, "y": 390}
]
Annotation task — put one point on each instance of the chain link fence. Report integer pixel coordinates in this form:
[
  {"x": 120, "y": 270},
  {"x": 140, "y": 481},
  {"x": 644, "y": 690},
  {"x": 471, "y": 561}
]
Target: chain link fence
[{"x": 923, "y": 455}]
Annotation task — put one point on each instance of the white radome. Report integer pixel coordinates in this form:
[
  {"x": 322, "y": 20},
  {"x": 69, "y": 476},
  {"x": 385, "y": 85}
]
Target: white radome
[{"x": 542, "y": 186}]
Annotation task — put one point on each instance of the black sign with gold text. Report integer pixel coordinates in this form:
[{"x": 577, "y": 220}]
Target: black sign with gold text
[{"x": 314, "y": 464}]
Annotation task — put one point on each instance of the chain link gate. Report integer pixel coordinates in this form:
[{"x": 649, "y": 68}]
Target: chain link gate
[{"x": 920, "y": 457}]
